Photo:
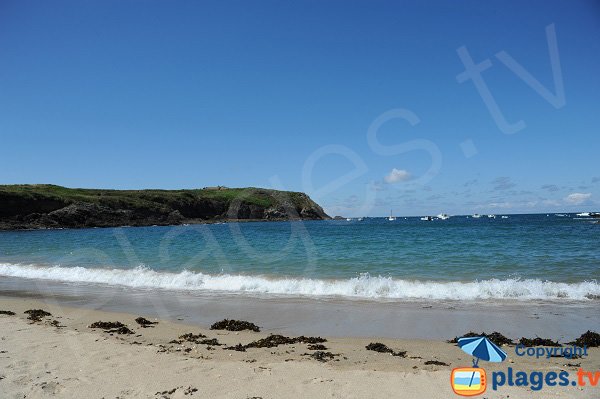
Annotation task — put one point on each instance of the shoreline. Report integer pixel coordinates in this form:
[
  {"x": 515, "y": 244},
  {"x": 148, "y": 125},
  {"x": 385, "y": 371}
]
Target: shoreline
[
  {"x": 73, "y": 360},
  {"x": 437, "y": 320}
]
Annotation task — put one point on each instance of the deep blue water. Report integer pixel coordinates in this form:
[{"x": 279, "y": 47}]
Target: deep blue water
[{"x": 510, "y": 257}]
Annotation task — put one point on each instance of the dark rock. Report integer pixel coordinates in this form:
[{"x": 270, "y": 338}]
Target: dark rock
[
  {"x": 50, "y": 206},
  {"x": 317, "y": 347},
  {"x": 37, "y": 314},
  {"x": 234, "y": 325},
  {"x": 382, "y": 348}
]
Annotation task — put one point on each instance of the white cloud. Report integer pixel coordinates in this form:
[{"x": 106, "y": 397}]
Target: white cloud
[
  {"x": 577, "y": 198},
  {"x": 396, "y": 175}
]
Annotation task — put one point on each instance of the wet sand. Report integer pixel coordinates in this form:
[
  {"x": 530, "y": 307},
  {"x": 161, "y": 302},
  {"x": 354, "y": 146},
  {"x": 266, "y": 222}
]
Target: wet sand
[
  {"x": 39, "y": 359},
  {"x": 438, "y": 320}
]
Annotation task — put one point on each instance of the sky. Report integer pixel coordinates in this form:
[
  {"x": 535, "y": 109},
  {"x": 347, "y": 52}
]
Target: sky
[{"x": 421, "y": 107}]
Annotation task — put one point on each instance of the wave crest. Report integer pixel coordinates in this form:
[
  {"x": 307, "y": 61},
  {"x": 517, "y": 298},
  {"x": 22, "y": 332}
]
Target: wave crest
[{"x": 362, "y": 287}]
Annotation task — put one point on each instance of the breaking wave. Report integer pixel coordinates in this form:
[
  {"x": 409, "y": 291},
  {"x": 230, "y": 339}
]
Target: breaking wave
[{"x": 362, "y": 287}]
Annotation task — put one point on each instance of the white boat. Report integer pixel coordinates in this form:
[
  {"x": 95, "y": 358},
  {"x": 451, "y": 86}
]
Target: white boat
[
  {"x": 492, "y": 216},
  {"x": 562, "y": 215},
  {"x": 391, "y": 218},
  {"x": 427, "y": 218},
  {"x": 476, "y": 216},
  {"x": 504, "y": 217},
  {"x": 348, "y": 219},
  {"x": 443, "y": 216},
  {"x": 584, "y": 214},
  {"x": 360, "y": 219}
]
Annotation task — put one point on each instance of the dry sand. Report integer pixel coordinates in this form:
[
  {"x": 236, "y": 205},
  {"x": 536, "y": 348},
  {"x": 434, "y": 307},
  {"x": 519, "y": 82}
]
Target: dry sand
[{"x": 39, "y": 360}]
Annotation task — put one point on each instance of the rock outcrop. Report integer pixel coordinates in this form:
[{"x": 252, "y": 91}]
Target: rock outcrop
[{"x": 49, "y": 206}]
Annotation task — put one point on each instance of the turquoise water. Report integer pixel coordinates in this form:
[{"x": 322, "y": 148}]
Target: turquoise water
[{"x": 522, "y": 257}]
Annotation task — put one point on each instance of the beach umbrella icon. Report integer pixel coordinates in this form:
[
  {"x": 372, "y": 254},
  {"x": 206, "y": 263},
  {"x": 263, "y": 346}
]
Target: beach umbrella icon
[{"x": 481, "y": 348}]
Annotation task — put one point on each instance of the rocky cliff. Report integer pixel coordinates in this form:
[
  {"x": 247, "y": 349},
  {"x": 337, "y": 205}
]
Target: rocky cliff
[{"x": 50, "y": 206}]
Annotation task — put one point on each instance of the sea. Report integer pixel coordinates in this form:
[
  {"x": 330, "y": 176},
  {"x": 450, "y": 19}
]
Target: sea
[{"x": 535, "y": 257}]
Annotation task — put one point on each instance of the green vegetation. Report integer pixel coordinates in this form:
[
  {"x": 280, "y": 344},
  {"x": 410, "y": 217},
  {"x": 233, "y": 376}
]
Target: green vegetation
[{"x": 31, "y": 206}]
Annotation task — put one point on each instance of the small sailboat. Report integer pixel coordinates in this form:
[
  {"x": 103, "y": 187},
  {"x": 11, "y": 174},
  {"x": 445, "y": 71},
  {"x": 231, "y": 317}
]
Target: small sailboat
[{"x": 392, "y": 217}]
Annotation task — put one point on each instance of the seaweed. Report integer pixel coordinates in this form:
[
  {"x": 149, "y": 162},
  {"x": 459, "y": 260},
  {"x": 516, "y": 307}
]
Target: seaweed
[
  {"x": 495, "y": 337},
  {"x": 112, "y": 327},
  {"x": 436, "y": 363},
  {"x": 238, "y": 347},
  {"x": 189, "y": 337},
  {"x": 234, "y": 325},
  {"x": 310, "y": 340},
  {"x": 121, "y": 330},
  {"x": 145, "y": 323},
  {"x": 382, "y": 348},
  {"x": 7, "y": 312},
  {"x": 37, "y": 314},
  {"x": 537, "y": 341},
  {"x": 107, "y": 325},
  {"x": 271, "y": 341},
  {"x": 210, "y": 342},
  {"x": 317, "y": 347},
  {"x": 321, "y": 356},
  {"x": 589, "y": 339}
]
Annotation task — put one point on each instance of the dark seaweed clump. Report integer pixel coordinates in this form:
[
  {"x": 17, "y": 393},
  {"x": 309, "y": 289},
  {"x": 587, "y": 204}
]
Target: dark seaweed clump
[
  {"x": 310, "y": 340},
  {"x": 317, "y": 347},
  {"x": 210, "y": 342},
  {"x": 537, "y": 341},
  {"x": 234, "y": 325},
  {"x": 190, "y": 337},
  {"x": 271, "y": 341},
  {"x": 145, "y": 322},
  {"x": 37, "y": 314},
  {"x": 275, "y": 340},
  {"x": 590, "y": 339},
  {"x": 436, "y": 363},
  {"x": 7, "y": 312},
  {"x": 112, "y": 327},
  {"x": 495, "y": 337},
  {"x": 238, "y": 347},
  {"x": 107, "y": 325},
  {"x": 382, "y": 348},
  {"x": 199, "y": 339},
  {"x": 321, "y": 356}
]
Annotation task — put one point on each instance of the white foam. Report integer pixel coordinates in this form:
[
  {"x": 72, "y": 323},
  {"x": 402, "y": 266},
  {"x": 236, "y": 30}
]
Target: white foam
[{"x": 365, "y": 286}]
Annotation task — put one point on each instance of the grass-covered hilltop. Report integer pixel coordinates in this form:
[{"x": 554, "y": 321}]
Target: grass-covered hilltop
[{"x": 49, "y": 206}]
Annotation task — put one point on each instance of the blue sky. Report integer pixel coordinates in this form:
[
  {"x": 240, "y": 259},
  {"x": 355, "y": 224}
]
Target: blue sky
[{"x": 132, "y": 94}]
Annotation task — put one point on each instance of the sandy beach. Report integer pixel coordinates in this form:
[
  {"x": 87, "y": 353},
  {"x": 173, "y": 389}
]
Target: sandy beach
[{"x": 60, "y": 356}]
